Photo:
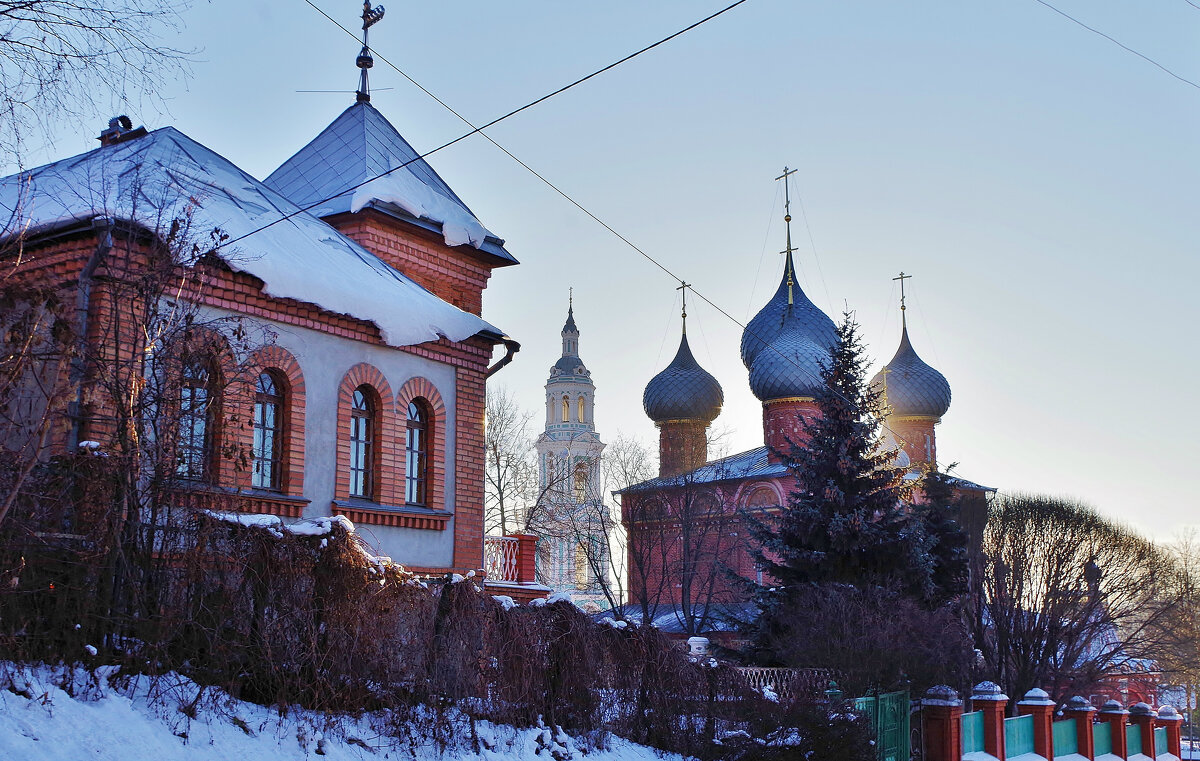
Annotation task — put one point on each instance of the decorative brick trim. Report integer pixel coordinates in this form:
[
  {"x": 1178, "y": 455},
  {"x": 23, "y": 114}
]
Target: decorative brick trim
[
  {"x": 386, "y": 515},
  {"x": 283, "y": 365},
  {"x": 422, "y": 388},
  {"x": 243, "y": 501},
  {"x": 384, "y": 465}
]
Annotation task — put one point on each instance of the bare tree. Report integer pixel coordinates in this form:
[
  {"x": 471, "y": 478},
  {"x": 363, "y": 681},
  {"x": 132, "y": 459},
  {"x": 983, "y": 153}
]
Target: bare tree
[
  {"x": 1066, "y": 596},
  {"x": 55, "y": 55},
  {"x": 1179, "y": 659},
  {"x": 510, "y": 470}
]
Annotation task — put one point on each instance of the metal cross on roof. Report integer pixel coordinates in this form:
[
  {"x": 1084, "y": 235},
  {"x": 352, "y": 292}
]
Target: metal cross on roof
[
  {"x": 787, "y": 218},
  {"x": 683, "y": 286},
  {"x": 902, "y": 278}
]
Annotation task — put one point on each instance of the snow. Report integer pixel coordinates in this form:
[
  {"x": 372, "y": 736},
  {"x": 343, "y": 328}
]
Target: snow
[
  {"x": 40, "y": 721},
  {"x": 1071, "y": 757},
  {"x": 1108, "y": 757},
  {"x": 607, "y": 621},
  {"x": 1026, "y": 757},
  {"x": 506, "y": 602},
  {"x": 403, "y": 189},
  {"x": 166, "y": 175},
  {"x": 979, "y": 755},
  {"x": 321, "y": 526},
  {"x": 91, "y": 649},
  {"x": 558, "y": 597}
]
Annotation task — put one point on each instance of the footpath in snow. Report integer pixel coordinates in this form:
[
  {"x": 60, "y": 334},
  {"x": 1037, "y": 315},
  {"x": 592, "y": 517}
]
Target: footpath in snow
[{"x": 163, "y": 720}]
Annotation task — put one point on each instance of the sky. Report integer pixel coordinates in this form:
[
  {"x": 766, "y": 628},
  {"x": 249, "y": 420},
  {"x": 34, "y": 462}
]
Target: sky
[{"x": 1037, "y": 180}]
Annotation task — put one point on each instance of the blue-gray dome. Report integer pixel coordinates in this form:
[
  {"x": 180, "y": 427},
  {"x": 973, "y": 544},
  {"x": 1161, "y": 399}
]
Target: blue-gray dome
[
  {"x": 789, "y": 365},
  {"x": 912, "y": 388},
  {"x": 767, "y": 324},
  {"x": 569, "y": 364},
  {"x": 683, "y": 391}
]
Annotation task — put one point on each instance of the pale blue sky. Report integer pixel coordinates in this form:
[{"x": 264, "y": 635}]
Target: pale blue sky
[{"x": 1039, "y": 182}]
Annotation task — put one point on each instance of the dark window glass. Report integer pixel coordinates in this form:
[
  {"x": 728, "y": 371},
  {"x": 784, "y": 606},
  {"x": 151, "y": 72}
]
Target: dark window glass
[
  {"x": 268, "y": 434},
  {"x": 195, "y": 424},
  {"x": 417, "y": 451},
  {"x": 362, "y": 427}
]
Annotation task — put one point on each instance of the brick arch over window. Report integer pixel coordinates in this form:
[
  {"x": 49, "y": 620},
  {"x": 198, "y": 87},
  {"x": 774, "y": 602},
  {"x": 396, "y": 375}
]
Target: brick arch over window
[
  {"x": 386, "y": 463},
  {"x": 421, "y": 388},
  {"x": 761, "y": 496},
  {"x": 282, "y": 366},
  {"x": 211, "y": 349}
]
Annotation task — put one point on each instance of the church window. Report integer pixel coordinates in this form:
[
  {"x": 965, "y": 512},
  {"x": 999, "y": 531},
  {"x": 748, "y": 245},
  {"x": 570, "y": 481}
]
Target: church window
[
  {"x": 582, "y": 417},
  {"x": 417, "y": 453},
  {"x": 266, "y": 471},
  {"x": 566, "y": 409},
  {"x": 581, "y": 566},
  {"x": 581, "y": 482},
  {"x": 195, "y": 422},
  {"x": 362, "y": 443},
  {"x": 928, "y": 448}
]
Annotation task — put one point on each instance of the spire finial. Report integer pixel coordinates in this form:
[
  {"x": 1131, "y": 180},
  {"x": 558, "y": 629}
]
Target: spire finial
[
  {"x": 370, "y": 17},
  {"x": 683, "y": 286},
  {"x": 787, "y": 218},
  {"x": 902, "y": 278},
  {"x": 570, "y": 300}
]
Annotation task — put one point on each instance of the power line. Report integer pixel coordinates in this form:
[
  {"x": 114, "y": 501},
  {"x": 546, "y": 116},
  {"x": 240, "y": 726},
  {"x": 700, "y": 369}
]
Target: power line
[
  {"x": 493, "y": 122},
  {"x": 572, "y": 201},
  {"x": 1121, "y": 45}
]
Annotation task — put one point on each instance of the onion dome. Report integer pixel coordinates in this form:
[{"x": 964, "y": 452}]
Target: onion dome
[
  {"x": 790, "y": 364},
  {"x": 683, "y": 391},
  {"x": 911, "y": 387},
  {"x": 769, "y": 321}
]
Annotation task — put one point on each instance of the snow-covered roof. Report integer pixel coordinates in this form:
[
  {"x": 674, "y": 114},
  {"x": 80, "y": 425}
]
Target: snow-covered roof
[
  {"x": 751, "y": 464},
  {"x": 358, "y": 147},
  {"x": 166, "y": 175}
]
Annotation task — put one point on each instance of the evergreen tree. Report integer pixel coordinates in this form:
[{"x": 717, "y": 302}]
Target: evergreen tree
[
  {"x": 847, "y": 523},
  {"x": 940, "y": 512}
]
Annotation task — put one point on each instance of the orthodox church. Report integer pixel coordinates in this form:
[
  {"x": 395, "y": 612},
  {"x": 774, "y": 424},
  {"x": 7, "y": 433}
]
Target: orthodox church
[
  {"x": 367, "y": 272},
  {"x": 571, "y": 518},
  {"x": 690, "y": 514}
]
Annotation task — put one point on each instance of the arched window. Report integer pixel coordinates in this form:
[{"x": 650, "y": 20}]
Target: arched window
[
  {"x": 195, "y": 448},
  {"x": 582, "y": 418},
  {"x": 267, "y": 450},
  {"x": 566, "y": 409},
  {"x": 581, "y": 482},
  {"x": 362, "y": 441},
  {"x": 417, "y": 451}
]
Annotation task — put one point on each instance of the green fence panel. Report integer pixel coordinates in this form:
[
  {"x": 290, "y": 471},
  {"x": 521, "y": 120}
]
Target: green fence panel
[
  {"x": 1133, "y": 740},
  {"x": 1102, "y": 734},
  {"x": 888, "y": 717},
  {"x": 1018, "y": 736},
  {"x": 972, "y": 732},
  {"x": 1160, "y": 740},
  {"x": 1066, "y": 739}
]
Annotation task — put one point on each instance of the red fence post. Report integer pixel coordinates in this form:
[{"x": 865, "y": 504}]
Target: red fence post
[
  {"x": 941, "y": 716},
  {"x": 988, "y": 699},
  {"x": 1081, "y": 710},
  {"x": 1170, "y": 718},
  {"x": 1114, "y": 714},
  {"x": 526, "y": 558},
  {"x": 1143, "y": 715},
  {"x": 1037, "y": 703}
]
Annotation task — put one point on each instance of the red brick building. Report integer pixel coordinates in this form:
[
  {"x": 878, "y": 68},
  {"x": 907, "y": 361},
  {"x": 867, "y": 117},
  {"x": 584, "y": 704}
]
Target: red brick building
[{"x": 362, "y": 272}]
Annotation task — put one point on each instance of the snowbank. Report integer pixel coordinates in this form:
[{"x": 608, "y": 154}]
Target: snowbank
[{"x": 39, "y": 721}]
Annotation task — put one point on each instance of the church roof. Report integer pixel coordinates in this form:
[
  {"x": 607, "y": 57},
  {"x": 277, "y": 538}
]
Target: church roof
[
  {"x": 356, "y": 148},
  {"x": 751, "y": 464},
  {"x": 165, "y": 176},
  {"x": 912, "y": 388},
  {"x": 770, "y": 320},
  {"x": 683, "y": 390}
]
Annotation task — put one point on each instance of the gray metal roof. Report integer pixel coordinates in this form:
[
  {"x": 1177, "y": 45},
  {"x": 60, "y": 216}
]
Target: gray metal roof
[
  {"x": 911, "y": 386},
  {"x": 683, "y": 390},
  {"x": 751, "y": 464},
  {"x": 769, "y": 321},
  {"x": 789, "y": 365},
  {"x": 359, "y": 145}
]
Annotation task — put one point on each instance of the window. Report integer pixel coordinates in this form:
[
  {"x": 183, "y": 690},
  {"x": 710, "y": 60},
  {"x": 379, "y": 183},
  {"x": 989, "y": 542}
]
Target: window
[
  {"x": 581, "y": 567},
  {"x": 362, "y": 439},
  {"x": 566, "y": 411},
  {"x": 417, "y": 450},
  {"x": 581, "y": 415},
  {"x": 266, "y": 471},
  {"x": 195, "y": 422},
  {"x": 581, "y": 482}
]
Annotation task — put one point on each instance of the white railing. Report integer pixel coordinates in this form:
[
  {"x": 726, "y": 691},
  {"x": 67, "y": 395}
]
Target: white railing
[
  {"x": 787, "y": 683},
  {"x": 500, "y": 557}
]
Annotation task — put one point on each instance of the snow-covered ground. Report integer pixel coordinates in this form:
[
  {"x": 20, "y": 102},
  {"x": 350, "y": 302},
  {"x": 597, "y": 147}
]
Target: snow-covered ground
[{"x": 162, "y": 720}]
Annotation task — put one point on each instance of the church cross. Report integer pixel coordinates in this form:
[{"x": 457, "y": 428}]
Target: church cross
[
  {"x": 902, "y": 278},
  {"x": 370, "y": 17},
  {"x": 787, "y": 218},
  {"x": 683, "y": 286}
]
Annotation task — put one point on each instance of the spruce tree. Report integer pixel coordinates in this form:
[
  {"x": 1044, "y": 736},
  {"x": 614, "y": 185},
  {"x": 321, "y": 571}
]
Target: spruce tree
[{"x": 847, "y": 523}]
